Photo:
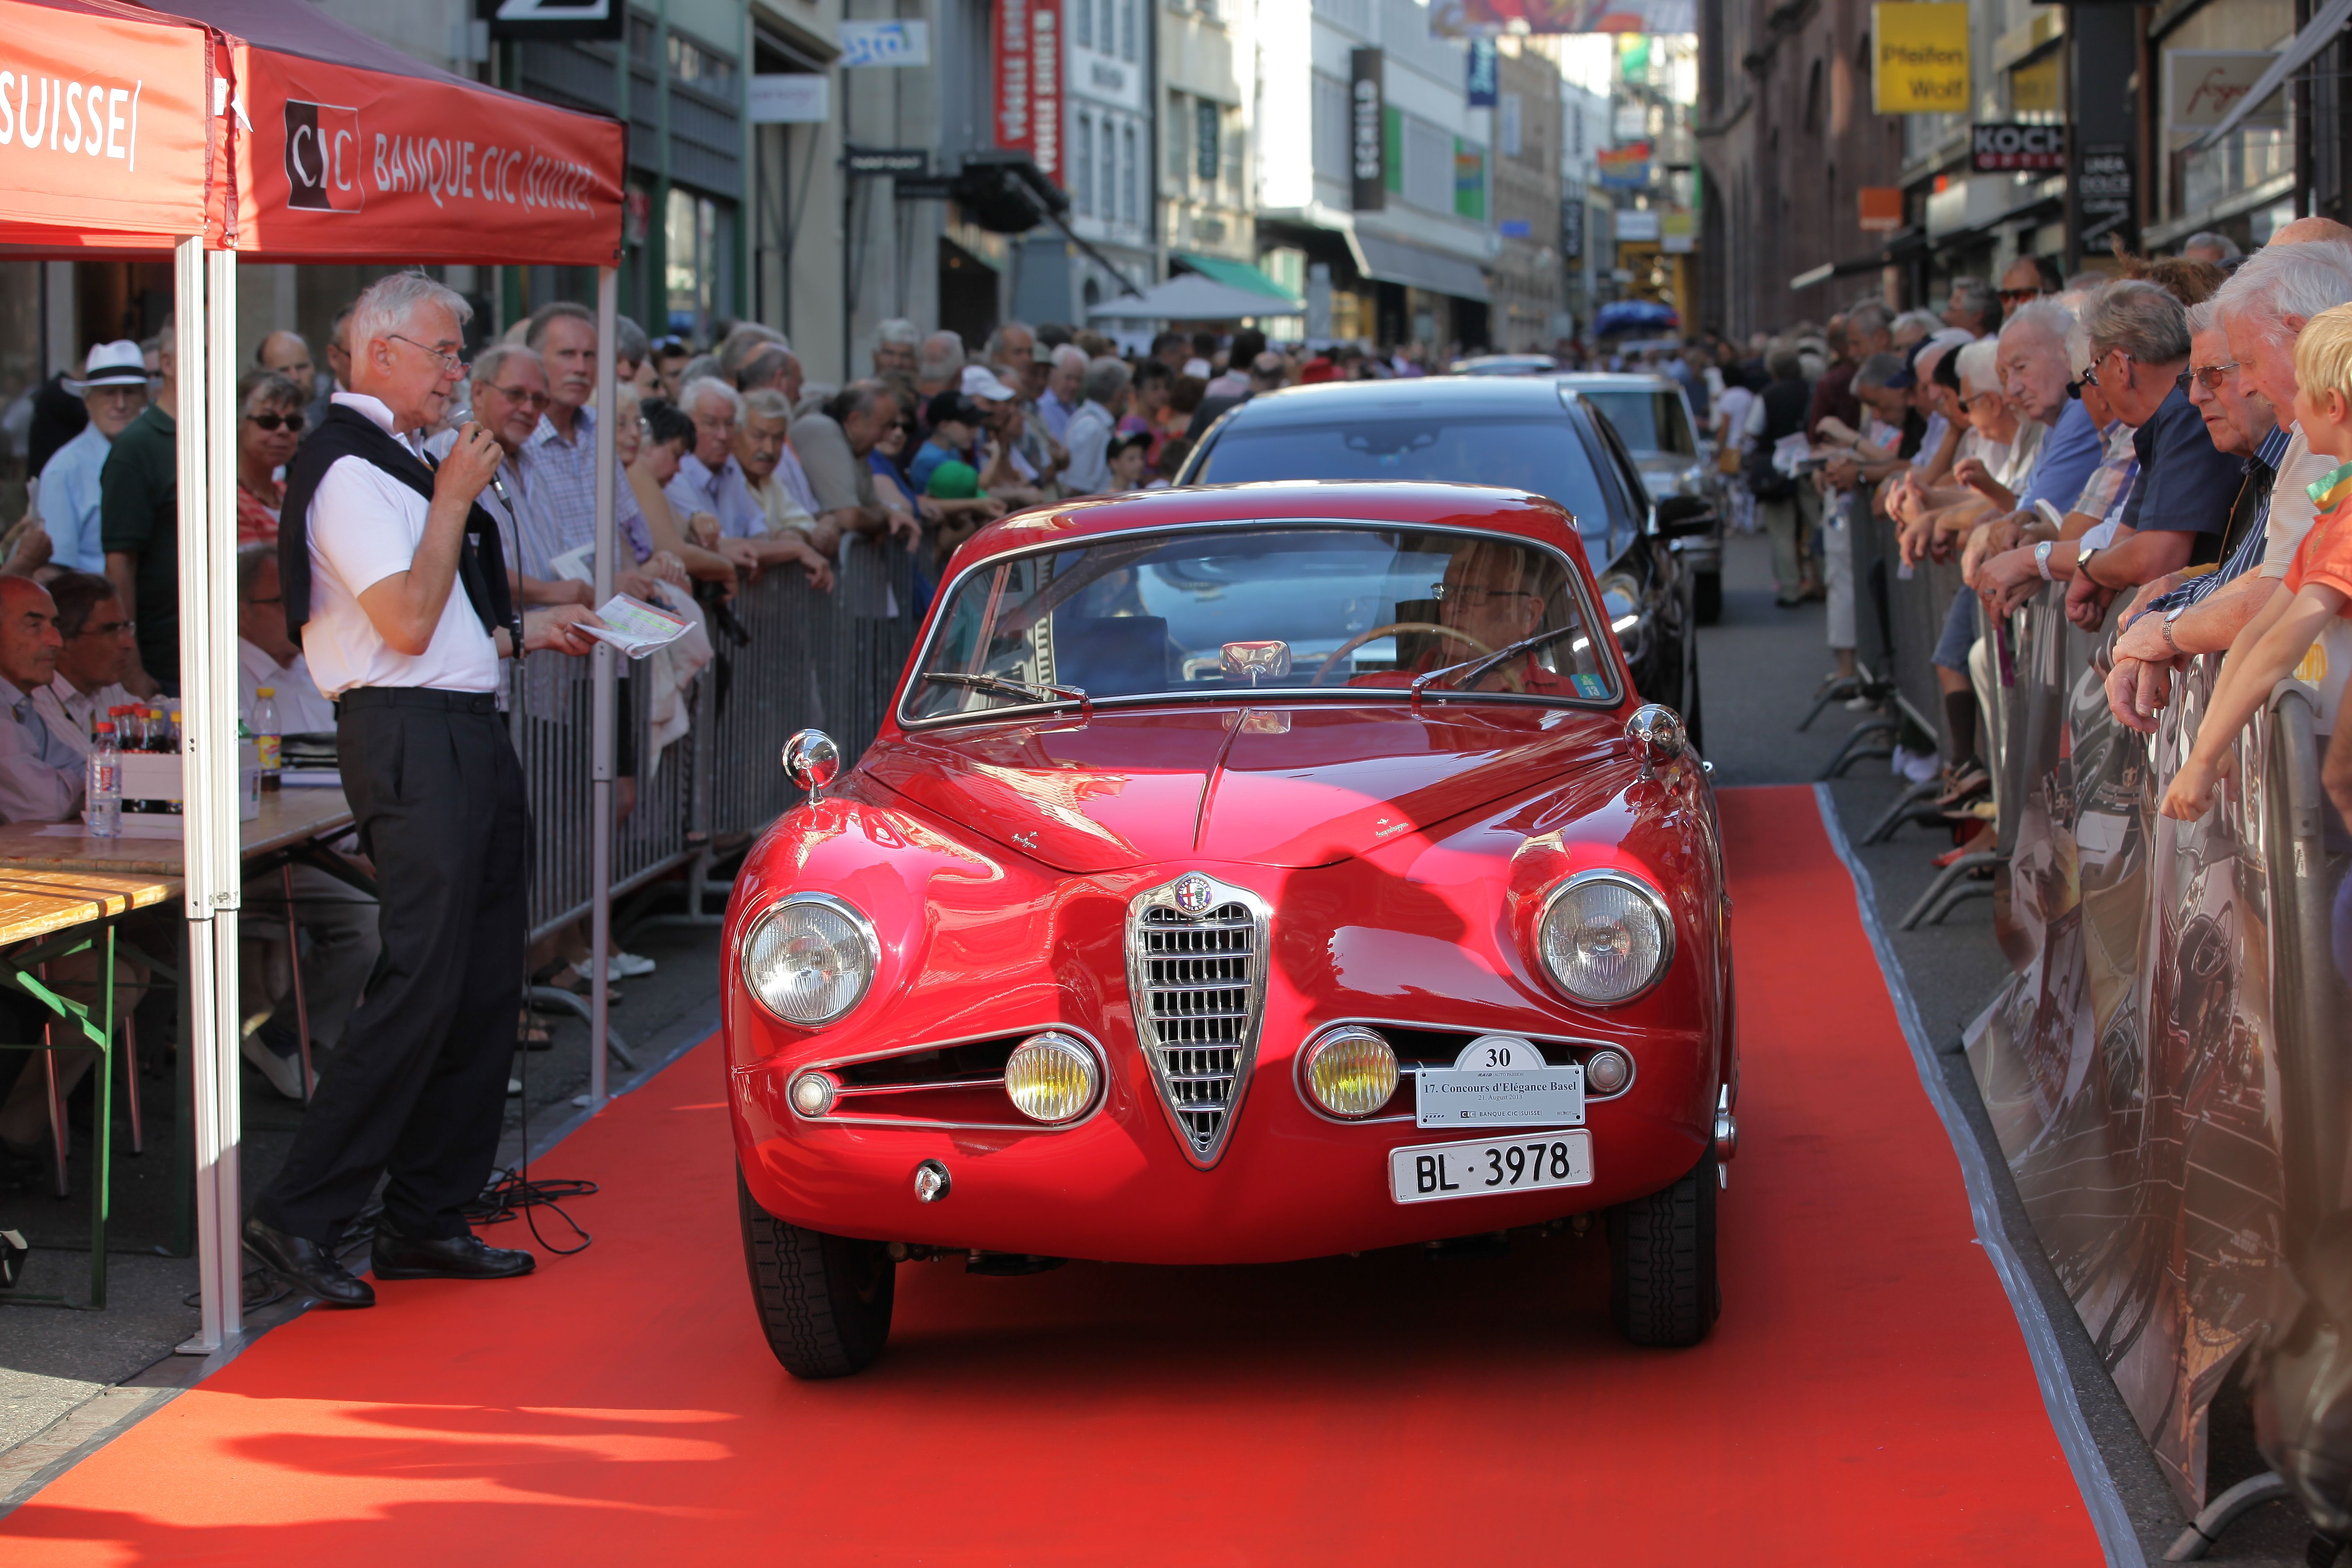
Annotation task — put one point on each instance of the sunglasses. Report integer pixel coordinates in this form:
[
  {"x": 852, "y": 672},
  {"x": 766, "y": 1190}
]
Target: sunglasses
[
  {"x": 274, "y": 422},
  {"x": 2210, "y": 376},
  {"x": 2018, "y": 296}
]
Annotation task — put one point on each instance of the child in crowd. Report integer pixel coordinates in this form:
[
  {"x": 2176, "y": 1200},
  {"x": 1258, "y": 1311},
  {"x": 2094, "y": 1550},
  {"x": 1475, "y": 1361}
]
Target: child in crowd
[
  {"x": 1125, "y": 455},
  {"x": 2318, "y": 581}
]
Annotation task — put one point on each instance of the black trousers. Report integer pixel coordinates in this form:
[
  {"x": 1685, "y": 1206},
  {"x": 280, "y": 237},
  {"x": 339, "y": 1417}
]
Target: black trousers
[{"x": 418, "y": 1087}]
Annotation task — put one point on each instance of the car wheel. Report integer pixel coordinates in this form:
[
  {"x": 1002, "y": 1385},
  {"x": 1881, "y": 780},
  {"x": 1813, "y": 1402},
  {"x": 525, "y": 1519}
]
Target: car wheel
[
  {"x": 1708, "y": 597},
  {"x": 824, "y": 1301},
  {"x": 1661, "y": 1283}
]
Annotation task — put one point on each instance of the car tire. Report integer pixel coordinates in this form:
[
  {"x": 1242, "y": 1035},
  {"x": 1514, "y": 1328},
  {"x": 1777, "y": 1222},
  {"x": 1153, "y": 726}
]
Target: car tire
[
  {"x": 822, "y": 1301},
  {"x": 1661, "y": 1281},
  {"x": 1707, "y": 597}
]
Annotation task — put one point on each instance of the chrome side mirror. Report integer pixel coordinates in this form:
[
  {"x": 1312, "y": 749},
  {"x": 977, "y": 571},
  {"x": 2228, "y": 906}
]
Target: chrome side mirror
[
  {"x": 1657, "y": 735},
  {"x": 812, "y": 761}
]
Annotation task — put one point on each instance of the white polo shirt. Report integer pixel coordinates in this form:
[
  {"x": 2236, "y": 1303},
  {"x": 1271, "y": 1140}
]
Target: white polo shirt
[{"x": 365, "y": 526}]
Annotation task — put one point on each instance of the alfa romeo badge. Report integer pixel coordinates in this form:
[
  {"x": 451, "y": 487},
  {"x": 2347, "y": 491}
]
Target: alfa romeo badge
[{"x": 1193, "y": 895}]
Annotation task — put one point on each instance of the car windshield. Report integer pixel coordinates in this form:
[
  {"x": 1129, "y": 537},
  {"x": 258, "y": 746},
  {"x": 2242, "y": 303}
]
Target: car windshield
[
  {"x": 1647, "y": 420},
  {"x": 1292, "y": 609},
  {"x": 1544, "y": 456}
]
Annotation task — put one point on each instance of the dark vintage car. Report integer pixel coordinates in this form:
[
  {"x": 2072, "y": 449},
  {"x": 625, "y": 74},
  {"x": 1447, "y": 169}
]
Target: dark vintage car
[
  {"x": 1241, "y": 874},
  {"x": 1526, "y": 432},
  {"x": 1652, "y": 415}
]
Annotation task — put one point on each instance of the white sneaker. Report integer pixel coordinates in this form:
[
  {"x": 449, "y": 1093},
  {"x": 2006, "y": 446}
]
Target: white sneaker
[
  {"x": 623, "y": 966},
  {"x": 284, "y": 1073}
]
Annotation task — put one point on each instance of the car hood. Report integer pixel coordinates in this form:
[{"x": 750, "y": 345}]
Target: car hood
[{"x": 1305, "y": 785}]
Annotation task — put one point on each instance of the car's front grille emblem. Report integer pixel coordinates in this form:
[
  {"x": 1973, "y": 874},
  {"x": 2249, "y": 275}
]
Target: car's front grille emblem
[{"x": 1196, "y": 976}]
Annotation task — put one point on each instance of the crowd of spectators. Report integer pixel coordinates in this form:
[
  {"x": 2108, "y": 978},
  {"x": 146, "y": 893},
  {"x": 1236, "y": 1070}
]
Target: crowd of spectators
[{"x": 2170, "y": 440}]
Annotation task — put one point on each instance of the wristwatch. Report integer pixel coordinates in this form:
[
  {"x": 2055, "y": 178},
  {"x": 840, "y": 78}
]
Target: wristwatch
[
  {"x": 2083, "y": 565},
  {"x": 2041, "y": 559},
  {"x": 2171, "y": 615}
]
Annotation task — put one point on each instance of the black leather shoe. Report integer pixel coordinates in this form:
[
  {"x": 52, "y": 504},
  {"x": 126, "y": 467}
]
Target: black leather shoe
[
  {"x": 307, "y": 1266},
  {"x": 453, "y": 1258}
]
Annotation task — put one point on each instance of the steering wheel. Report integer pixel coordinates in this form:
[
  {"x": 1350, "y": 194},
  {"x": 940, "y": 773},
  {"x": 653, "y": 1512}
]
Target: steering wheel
[{"x": 1361, "y": 638}]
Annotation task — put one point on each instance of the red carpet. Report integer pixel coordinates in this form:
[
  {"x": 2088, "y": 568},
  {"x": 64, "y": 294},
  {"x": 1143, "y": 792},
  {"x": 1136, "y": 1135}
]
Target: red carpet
[{"x": 1866, "y": 1398}]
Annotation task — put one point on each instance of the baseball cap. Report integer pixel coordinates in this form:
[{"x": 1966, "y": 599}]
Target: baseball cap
[
  {"x": 118, "y": 364},
  {"x": 954, "y": 480},
  {"x": 979, "y": 381}
]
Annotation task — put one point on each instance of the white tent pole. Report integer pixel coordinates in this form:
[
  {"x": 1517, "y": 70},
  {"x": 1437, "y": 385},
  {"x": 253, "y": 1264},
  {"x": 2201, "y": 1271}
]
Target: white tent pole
[
  {"x": 599, "y": 872},
  {"x": 205, "y": 372}
]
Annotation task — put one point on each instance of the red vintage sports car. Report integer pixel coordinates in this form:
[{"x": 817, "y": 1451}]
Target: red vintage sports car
[{"x": 1241, "y": 874}]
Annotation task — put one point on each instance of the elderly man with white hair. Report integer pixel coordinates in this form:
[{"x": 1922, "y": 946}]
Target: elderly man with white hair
[
  {"x": 1093, "y": 423},
  {"x": 2243, "y": 353},
  {"x": 394, "y": 585},
  {"x": 896, "y": 344},
  {"x": 709, "y": 478},
  {"x": 1061, "y": 397}
]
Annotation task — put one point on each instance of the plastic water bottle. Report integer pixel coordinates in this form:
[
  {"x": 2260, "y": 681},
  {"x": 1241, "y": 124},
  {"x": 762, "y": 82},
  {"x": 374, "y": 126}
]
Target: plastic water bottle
[
  {"x": 105, "y": 798},
  {"x": 266, "y": 739}
]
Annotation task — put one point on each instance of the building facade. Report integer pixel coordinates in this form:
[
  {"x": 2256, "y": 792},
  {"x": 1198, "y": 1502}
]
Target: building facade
[
  {"x": 1207, "y": 101},
  {"x": 1525, "y": 309}
]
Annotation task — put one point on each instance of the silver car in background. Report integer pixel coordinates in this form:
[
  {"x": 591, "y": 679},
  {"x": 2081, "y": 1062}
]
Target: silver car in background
[{"x": 1652, "y": 416}]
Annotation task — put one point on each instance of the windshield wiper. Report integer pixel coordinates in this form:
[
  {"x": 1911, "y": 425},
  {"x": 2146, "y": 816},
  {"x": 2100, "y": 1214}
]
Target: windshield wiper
[
  {"x": 1004, "y": 685},
  {"x": 1471, "y": 669}
]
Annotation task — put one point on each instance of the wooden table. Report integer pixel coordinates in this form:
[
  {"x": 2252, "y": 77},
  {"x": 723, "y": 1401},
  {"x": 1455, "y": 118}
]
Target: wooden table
[
  {"x": 49, "y": 914},
  {"x": 295, "y": 824},
  {"x": 290, "y": 820}
]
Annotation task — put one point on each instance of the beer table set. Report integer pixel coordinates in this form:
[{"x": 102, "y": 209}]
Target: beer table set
[{"x": 64, "y": 891}]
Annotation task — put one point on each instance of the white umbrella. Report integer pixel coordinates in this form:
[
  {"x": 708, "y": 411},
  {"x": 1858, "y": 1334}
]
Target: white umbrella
[{"x": 1190, "y": 297}]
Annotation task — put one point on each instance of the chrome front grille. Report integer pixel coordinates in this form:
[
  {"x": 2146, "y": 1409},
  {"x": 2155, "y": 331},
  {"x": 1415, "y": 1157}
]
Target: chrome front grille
[{"x": 1198, "y": 985}]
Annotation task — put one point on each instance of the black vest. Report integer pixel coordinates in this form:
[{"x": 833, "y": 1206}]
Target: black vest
[{"x": 348, "y": 433}]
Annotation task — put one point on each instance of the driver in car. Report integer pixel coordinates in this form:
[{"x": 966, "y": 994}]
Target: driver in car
[{"x": 1494, "y": 595}]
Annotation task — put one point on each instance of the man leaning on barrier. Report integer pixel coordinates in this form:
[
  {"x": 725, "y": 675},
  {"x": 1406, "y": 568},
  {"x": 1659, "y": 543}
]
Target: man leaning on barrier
[
  {"x": 395, "y": 585},
  {"x": 2258, "y": 314}
]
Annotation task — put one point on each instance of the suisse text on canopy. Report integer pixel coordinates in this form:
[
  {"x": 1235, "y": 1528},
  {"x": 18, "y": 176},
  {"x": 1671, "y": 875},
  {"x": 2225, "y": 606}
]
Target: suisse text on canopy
[
  {"x": 56, "y": 118},
  {"x": 449, "y": 166}
]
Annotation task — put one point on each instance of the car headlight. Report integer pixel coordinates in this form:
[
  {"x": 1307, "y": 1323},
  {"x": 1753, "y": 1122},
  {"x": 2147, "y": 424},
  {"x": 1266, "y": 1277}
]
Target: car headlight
[
  {"x": 1351, "y": 1072},
  {"x": 1051, "y": 1077},
  {"x": 1605, "y": 937},
  {"x": 809, "y": 959}
]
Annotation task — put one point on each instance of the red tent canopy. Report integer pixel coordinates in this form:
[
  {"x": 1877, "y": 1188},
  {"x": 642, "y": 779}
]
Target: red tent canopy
[
  {"x": 104, "y": 138},
  {"x": 345, "y": 149}
]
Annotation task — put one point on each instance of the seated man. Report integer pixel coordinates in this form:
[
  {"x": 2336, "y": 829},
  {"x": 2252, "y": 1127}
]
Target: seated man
[
  {"x": 1495, "y": 594},
  {"x": 338, "y": 946},
  {"x": 90, "y": 665}
]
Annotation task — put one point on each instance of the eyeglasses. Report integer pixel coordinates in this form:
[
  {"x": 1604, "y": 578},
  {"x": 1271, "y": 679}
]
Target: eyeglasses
[
  {"x": 451, "y": 365},
  {"x": 515, "y": 394},
  {"x": 273, "y": 422},
  {"x": 2091, "y": 376},
  {"x": 1473, "y": 598},
  {"x": 2210, "y": 377}
]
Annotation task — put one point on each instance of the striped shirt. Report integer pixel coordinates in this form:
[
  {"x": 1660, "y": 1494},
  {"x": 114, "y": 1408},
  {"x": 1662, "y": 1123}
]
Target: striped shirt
[
  {"x": 2263, "y": 469},
  {"x": 562, "y": 472}
]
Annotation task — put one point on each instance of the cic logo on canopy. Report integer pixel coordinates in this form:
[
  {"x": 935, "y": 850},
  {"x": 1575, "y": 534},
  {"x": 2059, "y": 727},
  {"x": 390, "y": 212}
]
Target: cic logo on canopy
[{"x": 322, "y": 157}]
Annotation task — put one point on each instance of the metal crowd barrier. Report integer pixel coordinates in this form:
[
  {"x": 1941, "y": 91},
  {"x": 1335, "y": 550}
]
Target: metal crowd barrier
[
  {"x": 2164, "y": 1068},
  {"x": 787, "y": 656}
]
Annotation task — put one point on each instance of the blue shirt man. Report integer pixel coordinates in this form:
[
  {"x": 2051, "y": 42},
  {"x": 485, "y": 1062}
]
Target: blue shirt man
[{"x": 114, "y": 389}]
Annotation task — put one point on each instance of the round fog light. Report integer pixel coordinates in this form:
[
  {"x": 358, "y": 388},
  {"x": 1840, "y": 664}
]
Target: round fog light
[
  {"x": 812, "y": 1093},
  {"x": 1351, "y": 1071},
  {"x": 1051, "y": 1077},
  {"x": 1607, "y": 1071}
]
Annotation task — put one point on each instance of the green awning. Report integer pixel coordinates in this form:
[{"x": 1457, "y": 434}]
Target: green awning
[{"x": 1237, "y": 275}]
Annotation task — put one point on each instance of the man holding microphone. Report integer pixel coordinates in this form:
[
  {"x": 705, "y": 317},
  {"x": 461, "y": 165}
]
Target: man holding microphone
[{"x": 395, "y": 585}]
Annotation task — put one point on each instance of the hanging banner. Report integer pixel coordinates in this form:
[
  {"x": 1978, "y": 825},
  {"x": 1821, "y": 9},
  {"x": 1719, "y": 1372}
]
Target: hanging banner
[
  {"x": 342, "y": 162},
  {"x": 103, "y": 126},
  {"x": 1028, "y": 47},
  {"x": 1467, "y": 19},
  {"x": 1625, "y": 168},
  {"x": 553, "y": 18},
  {"x": 1367, "y": 132},
  {"x": 1922, "y": 58},
  {"x": 1482, "y": 57}
]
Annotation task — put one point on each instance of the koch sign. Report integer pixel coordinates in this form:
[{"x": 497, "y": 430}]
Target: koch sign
[{"x": 2017, "y": 149}]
